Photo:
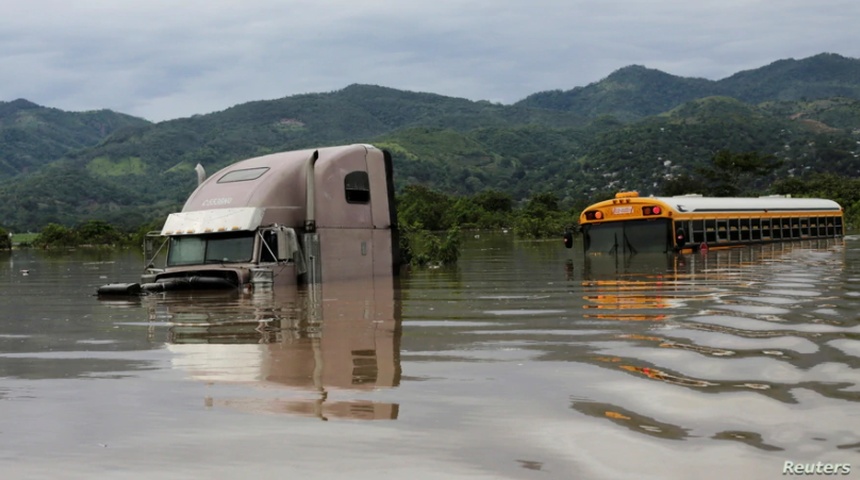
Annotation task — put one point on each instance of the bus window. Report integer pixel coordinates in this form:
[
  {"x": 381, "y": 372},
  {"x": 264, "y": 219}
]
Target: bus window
[
  {"x": 711, "y": 231},
  {"x": 722, "y": 230},
  {"x": 687, "y": 228},
  {"x": 697, "y": 231},
  {"x": 639, "y": 236}
]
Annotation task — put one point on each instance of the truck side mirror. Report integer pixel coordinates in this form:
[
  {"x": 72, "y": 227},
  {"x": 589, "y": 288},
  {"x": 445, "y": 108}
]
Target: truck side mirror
[
  {"x": 283, "y": 253},
  {"x": 288, "y": 244}
]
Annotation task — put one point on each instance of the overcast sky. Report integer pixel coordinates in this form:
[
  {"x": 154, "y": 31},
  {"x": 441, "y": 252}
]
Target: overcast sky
[{"x": 165, "y": 59}]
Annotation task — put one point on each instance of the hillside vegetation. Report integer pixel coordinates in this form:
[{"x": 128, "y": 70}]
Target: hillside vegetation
[
  {"x": 32, "y": 136},
  {"x": 638, "y": 129}
]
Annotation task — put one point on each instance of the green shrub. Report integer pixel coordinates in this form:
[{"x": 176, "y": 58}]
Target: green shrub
[
  {"x": 421, "y": 247},
  {"x": 54, "y": 235},
  {"x": 5, "y": 239}
]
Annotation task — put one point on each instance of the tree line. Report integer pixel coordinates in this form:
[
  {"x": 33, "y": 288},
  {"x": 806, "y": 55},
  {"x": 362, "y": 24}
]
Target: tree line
[
  {"x": 90, "y": 233},
  {"x": 431, "y": 221},
  {"x": 739, "y": 174},
  {"x": 430, "y": 224}
]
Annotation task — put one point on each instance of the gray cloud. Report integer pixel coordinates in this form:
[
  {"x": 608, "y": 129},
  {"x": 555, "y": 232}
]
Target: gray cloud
[{"x": 162, "y": 59}]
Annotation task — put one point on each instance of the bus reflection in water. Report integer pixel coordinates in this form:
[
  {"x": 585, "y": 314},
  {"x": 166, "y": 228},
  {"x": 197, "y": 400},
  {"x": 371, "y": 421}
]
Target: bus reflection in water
[
  {"x": 657, "y": 287},
  {"x": 676, "y": 289},
  {"x": 311, "y": 351},
  {"x": 630, "y": 224},
  {"x": 628, "y": 288}
]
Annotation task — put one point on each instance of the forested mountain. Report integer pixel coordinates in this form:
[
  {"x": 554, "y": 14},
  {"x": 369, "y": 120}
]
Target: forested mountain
[
  {"x": 635, "y": 129},
  {"x": 628, "y": 94},
  {"x": 635, "y": 92},
  {"x": 32, "y": 136},
  {"x": 822, "y": 76}
]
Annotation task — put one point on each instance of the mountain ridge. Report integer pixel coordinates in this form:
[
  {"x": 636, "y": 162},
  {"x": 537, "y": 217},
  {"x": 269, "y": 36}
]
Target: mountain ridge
[{"x": 618, "y": 132}]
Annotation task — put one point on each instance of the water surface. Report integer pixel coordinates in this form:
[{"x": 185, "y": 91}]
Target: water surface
[{"x": 524, "y": 361}]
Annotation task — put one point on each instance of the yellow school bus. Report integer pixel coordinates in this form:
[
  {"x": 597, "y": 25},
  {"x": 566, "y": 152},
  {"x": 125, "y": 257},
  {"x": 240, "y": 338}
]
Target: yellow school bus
[{"x": 629, "y": 224}]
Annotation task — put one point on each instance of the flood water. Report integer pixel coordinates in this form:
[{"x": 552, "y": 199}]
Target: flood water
[{"x": 524, "y": 361}]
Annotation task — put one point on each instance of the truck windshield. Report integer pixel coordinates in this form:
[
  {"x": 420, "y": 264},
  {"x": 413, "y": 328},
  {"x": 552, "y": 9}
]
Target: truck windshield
[
  {"x": 215, "y": 248},
  {"x": 637, "y": 236}
]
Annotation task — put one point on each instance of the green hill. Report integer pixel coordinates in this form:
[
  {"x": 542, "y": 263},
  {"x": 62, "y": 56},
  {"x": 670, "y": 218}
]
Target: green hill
[
  {"x": 32, "y": 136},
  {"x": 628, "y": 94},
  {"x": 825, "y": 75},
  {"x": 635, "y": 92},
  {"x": 633, "y": 130}
]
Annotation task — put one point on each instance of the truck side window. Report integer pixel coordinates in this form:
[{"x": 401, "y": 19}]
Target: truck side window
[
  {"x": 269, "y": 254},
  {"x": 357, "y": 187}
]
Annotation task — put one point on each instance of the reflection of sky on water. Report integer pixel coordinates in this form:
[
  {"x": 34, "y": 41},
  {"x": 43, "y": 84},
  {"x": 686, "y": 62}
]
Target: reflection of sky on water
[
  {"x": 703, "y": 346},
  {"x": 523, "y": 360},
  {"x": 763, "y": 335}
]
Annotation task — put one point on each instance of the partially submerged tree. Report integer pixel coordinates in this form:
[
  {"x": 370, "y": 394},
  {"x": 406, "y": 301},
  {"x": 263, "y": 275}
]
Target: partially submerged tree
[{"x": 55, "y": 235}]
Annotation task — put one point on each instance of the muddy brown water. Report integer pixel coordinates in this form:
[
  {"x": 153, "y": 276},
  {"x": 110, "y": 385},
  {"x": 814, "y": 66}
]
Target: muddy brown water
[{"x": 525, "y": 361}]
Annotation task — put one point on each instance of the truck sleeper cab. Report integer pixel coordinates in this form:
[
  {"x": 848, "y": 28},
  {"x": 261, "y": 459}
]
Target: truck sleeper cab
[{"x": 283, "y": 219}]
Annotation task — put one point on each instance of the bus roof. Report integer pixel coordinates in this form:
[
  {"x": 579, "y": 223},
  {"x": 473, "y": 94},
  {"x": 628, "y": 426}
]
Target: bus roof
[{"x": 697, "y": 203}]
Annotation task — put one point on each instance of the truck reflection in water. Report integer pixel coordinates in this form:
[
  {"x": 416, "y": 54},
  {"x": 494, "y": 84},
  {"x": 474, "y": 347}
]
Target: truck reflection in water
[{"x": 311, "y": 351}]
